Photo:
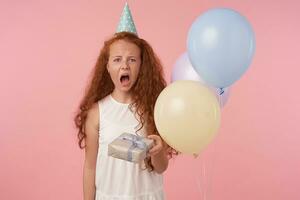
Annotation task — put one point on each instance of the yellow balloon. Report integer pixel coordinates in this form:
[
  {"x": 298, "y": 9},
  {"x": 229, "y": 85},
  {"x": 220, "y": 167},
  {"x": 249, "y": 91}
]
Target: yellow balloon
[{"x": 187, "y": 116}]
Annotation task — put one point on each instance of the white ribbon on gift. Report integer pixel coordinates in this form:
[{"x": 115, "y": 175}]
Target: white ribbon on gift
[{"x": 136, "y": 142}]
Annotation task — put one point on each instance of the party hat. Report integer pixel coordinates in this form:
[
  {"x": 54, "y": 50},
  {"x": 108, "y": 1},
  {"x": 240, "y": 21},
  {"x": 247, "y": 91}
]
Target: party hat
[{"x": 126, "y": 22}]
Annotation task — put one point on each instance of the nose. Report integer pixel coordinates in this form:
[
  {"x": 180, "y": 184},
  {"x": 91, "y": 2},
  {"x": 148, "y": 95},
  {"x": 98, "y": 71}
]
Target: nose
[{"x": 124, "y": 65}]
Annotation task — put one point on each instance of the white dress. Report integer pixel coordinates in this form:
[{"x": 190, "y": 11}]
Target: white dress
[{"x": 118, "y": 179}]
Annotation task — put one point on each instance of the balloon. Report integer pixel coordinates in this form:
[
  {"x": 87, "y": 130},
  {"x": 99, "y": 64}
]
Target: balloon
[
  {"x": 187, "y": 116},
  {"x": 221, "y": 45},
  {"x": 183, "y": 70}
]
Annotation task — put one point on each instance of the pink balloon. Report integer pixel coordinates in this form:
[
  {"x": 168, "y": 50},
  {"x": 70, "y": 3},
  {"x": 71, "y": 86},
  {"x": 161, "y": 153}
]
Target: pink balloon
[{"x": 183, "y": 70}]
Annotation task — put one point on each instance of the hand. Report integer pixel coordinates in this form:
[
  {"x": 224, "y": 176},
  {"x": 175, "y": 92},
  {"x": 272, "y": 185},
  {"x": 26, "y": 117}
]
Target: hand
[{"x": 158, "y": 145}]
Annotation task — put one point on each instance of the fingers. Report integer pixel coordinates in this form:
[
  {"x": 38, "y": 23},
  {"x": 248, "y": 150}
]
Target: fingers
[
  {"x": 154, "y": 137},
  {"x": 158, "y": 145},
  {"x": 155, "y": 149}
]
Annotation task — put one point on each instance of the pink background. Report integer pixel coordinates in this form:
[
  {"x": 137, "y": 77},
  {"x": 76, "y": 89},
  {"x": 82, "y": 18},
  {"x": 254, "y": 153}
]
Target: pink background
[{"x": 48, "y": 49}]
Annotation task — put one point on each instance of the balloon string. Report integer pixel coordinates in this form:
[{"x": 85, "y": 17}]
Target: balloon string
[
  {"x": 205, "y": 186},
  {"x": 198, "y": 181}
]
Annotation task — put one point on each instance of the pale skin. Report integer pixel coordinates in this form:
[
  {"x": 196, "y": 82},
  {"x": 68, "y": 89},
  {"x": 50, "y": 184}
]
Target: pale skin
[{"x": 124, "y": 58}]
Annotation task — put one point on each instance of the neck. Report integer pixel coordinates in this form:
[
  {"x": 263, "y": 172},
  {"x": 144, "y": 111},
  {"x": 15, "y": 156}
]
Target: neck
[{"x": 123, "y": 97}]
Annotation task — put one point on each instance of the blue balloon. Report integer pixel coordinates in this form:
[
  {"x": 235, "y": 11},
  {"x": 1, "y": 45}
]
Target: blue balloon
[{"x": 220, "y": 46}]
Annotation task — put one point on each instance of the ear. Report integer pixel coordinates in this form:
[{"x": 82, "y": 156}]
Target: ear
[{"x": 107, "y": 67}]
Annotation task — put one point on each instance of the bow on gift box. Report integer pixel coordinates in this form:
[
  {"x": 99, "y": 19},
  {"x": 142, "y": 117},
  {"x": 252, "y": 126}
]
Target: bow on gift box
[{"x": 136, "y": 142}]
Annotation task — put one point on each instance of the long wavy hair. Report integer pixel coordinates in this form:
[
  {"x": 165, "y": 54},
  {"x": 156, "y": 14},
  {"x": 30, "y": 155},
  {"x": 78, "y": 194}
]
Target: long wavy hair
[{"x": 149, "y": 84}]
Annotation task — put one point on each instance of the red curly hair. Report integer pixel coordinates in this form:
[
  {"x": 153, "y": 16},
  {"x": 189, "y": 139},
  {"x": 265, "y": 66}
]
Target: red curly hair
[{"x": 144, "y": 92}]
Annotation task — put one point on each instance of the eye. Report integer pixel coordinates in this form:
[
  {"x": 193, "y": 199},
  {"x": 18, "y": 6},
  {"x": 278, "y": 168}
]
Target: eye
[
  {"x": 132, "y": 60},
  {"x": 117, "y": 59}
]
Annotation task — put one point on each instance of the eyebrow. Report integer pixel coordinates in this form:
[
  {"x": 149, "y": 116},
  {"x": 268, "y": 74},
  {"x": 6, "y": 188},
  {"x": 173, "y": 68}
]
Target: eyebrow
[{"x": 118, "y": 56}]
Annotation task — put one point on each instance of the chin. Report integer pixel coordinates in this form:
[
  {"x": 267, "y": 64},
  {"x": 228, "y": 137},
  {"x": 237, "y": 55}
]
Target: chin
[{"x": 125, "y": 89}]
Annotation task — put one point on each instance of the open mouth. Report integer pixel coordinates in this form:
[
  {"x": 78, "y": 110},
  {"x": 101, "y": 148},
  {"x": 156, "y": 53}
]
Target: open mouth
[{"x": 124, "y": 79}]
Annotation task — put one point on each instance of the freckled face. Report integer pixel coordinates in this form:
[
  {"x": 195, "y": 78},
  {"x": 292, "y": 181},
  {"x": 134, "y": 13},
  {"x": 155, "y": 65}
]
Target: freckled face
[{"x": 124, "y": 64}]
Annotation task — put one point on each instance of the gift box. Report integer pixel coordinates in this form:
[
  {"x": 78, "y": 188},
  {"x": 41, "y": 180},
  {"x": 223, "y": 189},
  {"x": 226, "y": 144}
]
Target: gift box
[{"x": 130, "y": 147}]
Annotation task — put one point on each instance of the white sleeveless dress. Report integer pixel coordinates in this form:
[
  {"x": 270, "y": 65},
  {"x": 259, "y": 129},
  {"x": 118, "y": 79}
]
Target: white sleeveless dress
[{"x": 118, "y": 179}]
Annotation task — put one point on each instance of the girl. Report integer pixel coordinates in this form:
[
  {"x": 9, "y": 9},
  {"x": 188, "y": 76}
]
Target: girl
[{"x": 120, "y": 97}]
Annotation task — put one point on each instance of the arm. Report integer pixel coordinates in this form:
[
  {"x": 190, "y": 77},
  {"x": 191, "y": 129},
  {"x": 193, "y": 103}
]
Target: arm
[
  {"x": 158, "y": 153},
  {"x": 91, "y": 151}
]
